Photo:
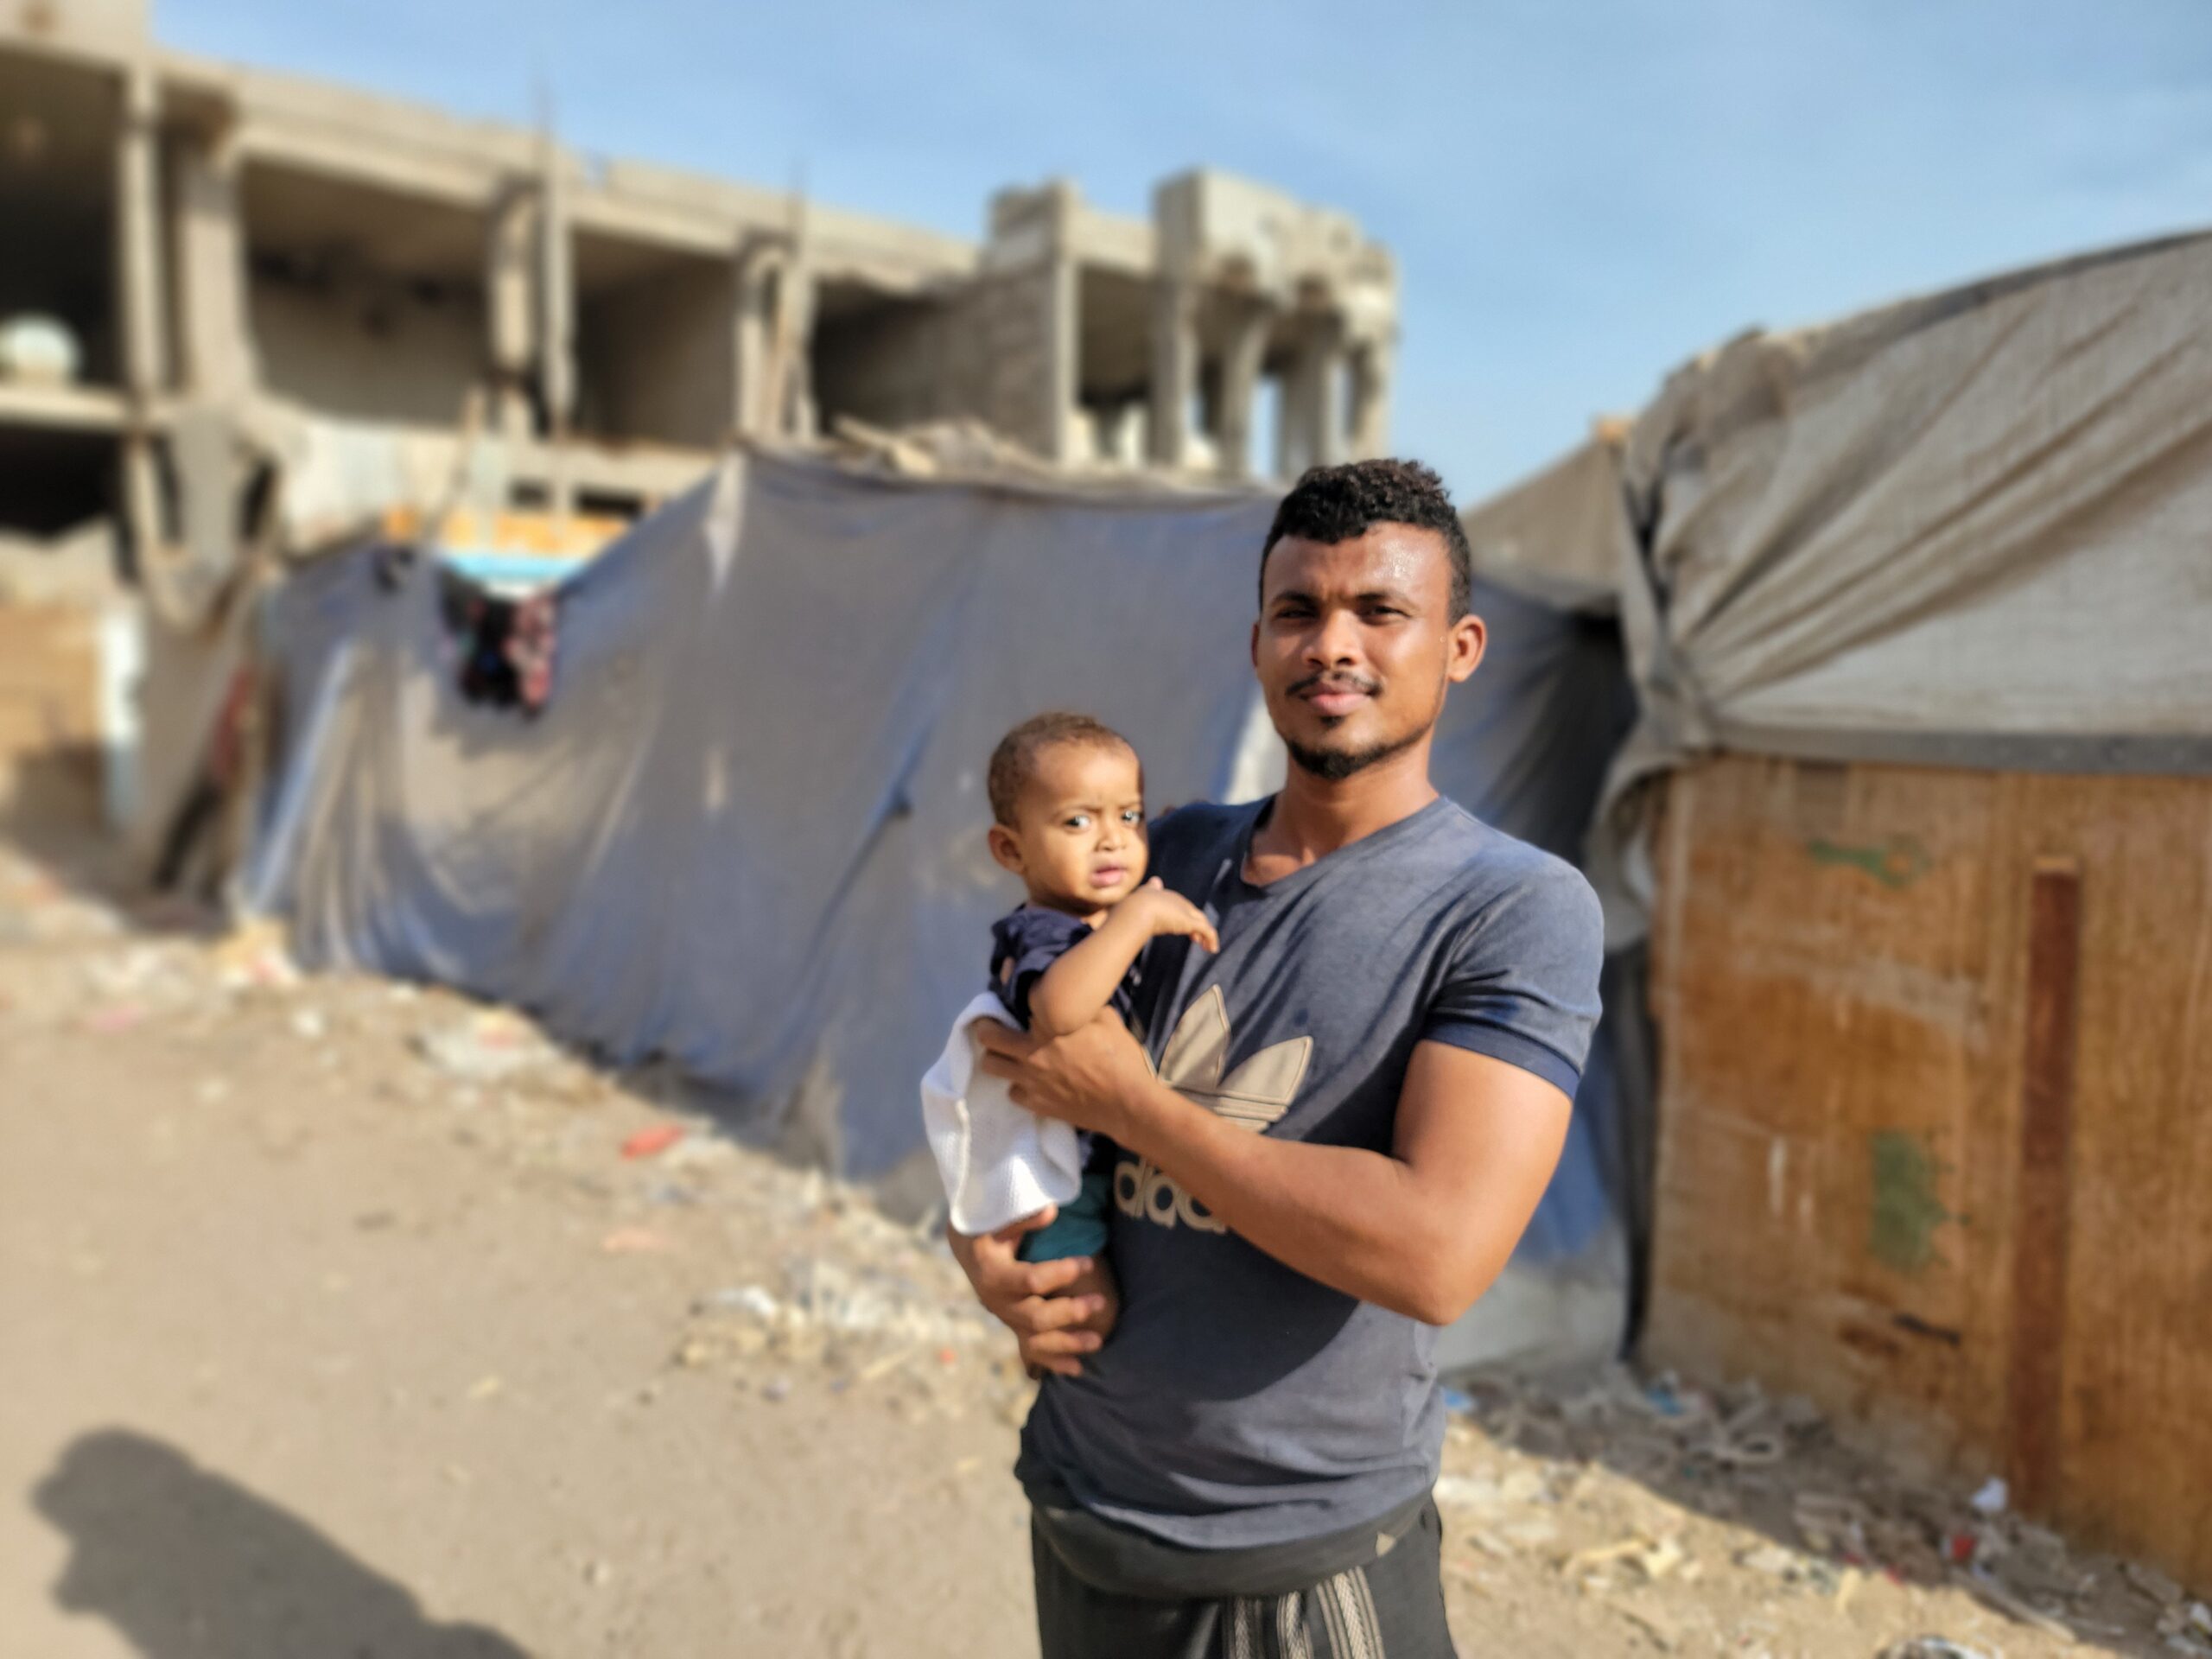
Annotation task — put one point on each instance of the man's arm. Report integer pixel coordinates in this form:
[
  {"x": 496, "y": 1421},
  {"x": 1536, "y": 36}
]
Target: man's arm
[
  {"x": 1076, "y": 990},
  {"x": 1421, "y": 1230}
]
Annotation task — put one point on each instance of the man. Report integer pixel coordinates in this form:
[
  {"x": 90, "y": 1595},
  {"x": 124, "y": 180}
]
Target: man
[{"x": 1346, "y": 1117}]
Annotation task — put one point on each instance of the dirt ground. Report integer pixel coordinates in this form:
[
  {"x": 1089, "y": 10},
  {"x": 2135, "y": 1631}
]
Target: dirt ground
[{"x": 346, "y": 1317}]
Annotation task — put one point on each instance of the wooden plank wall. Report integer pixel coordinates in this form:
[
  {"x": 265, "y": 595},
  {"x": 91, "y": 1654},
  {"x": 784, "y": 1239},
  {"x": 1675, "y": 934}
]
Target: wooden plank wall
[
  {"x": 49, "y": 712},
  {"x": 1935, "y": 1121}
]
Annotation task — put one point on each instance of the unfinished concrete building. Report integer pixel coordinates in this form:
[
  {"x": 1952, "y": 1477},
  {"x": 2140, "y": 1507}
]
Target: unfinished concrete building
[{"x": 384, "y": 297}]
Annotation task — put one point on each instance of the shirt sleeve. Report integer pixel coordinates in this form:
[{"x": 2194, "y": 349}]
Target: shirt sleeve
[
  {"x": 1023, "y": 945},
  {"x": 1522, "y": 987}
]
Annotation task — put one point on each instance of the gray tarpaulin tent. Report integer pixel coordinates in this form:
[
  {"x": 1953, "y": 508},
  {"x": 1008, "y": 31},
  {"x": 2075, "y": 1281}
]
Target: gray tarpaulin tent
[
  {"x": 746, "y": 836},
  {"x": 1525, "y": 746},
  {"x": 1962, "y": 530}
]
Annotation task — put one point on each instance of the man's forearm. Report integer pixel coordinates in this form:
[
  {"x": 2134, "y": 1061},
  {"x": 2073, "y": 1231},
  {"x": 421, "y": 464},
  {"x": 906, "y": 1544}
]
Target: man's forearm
[{"x": 1360, "y": 1221}]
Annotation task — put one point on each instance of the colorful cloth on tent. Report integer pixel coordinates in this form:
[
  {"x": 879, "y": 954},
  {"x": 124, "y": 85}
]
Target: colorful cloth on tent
[{"x": 506, "y": 647}]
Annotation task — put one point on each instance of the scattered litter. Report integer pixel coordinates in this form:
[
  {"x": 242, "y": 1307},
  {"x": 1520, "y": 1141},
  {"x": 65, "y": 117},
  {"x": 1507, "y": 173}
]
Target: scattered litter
[
  {"x": 1772, "y": 1559},
  {"x": 254, "y": 957},
  {"x": 486, "y": 1047},
  {"x": 647, "y": 1141},
  {"x": 1846, "y": 1588},
  {"x": 699, "y": 1152},
  {"x": 760, "y": 1303},
  {"x": 1655, "y": 1560},
  {"x": 1533, "y": 1532},
  {"x": 1931, "y": 1647},
  {"x": 309, "y": 1025},
  {"x": 2017, "y": 1608},
  {"x": 1467, "y": 1492},
  {"x": 1992, "y": 1498},
  {"x": 878, "y": 1369},
  {"x": 1829, "y": 1523},
  {"x": 2154, "y": 1584},
  {"x": 872, "y": 1301},
  {"x": 1458, "y": 1402},
  {"x": 1660, "y": 1395}
]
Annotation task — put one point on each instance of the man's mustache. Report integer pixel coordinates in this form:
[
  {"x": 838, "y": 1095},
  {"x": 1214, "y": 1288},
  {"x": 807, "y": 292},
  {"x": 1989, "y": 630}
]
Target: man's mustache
[{"x": 1336, "y": 682}]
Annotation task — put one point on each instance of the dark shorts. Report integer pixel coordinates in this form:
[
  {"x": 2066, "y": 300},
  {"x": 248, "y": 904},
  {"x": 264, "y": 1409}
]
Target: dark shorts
[{"x": 1391, "y": 1607}]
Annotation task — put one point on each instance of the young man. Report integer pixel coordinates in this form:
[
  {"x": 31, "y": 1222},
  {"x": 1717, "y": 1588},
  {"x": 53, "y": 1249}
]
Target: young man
[{"x": 1345, "y": 1119}]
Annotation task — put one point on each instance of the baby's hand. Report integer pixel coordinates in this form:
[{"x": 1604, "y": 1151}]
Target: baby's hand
[{"x": 1166, "y": 913}]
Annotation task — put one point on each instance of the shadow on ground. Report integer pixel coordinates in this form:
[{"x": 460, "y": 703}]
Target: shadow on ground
[{"x": 186, "y": 1563}]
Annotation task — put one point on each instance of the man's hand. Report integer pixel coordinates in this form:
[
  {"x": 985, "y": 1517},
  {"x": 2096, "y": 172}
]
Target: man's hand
[
  {"x": 1058, "y": 1311},
  {"x": 1088, "y": 1076}
]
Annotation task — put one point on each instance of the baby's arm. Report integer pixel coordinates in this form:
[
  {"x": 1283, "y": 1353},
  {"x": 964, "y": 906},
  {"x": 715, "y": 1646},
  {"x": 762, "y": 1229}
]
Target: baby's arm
[{"x": 1074, "y": 989}]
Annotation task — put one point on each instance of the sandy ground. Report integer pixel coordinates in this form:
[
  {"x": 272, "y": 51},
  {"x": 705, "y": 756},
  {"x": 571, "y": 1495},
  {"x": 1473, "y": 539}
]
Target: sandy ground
[{"x": 342, "y": 1318}]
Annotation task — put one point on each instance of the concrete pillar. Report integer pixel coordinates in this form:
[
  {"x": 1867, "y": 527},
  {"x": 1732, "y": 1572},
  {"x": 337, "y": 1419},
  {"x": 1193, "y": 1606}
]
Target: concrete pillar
[
  {"x": 1059, "y": 294},
  {"x": 140, "y": 299},
  {"x": 1032, "y": 383},
  {"x": 792, "y": 382},
  {"x": 774, "y": 341},
  {"x": 1370, "y": 400},
  {"x": 557, "y": 326},
  {"x": 757, "y": 265},
  {"x": 211, "y": 321},
  {"x": 1311, "y": 434},
  {"x": 509, "y": 306},
  {"x": 1059, "y": 388},
  {"x": 1175, "y": 369},
  {"x": 1240, "y": 382}
]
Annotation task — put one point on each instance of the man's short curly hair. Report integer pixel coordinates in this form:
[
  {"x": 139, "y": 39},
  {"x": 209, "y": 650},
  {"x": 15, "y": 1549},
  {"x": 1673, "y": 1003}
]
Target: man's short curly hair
[
  {"x": 1330, "y": 505},
  {"x": 1014, "y": 763}
]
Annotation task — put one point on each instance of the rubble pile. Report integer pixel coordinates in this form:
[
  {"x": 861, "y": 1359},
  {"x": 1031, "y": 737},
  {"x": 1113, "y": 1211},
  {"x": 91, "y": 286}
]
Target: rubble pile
[{"x": 1730, "y": 1521}]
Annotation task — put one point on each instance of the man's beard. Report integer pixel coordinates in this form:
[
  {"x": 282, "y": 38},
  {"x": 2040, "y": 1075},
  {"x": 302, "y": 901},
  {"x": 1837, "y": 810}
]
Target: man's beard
[{"x": 1334, "y": 765}]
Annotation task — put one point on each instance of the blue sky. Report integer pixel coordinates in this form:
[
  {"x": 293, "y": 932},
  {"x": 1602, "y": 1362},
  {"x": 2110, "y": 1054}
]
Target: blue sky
[{"x": 1579, "y": 196}]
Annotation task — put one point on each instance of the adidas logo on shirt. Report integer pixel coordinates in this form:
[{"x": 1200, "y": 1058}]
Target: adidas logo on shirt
[{"x": 1253, "y": 1097}]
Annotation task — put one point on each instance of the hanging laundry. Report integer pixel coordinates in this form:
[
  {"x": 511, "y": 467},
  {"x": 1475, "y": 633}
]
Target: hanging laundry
[{"x": 504, "y": 646}]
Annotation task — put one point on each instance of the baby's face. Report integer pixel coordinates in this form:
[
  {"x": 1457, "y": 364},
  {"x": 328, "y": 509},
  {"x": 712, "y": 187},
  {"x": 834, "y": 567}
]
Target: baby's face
[{"x": 1081, "y": 836}]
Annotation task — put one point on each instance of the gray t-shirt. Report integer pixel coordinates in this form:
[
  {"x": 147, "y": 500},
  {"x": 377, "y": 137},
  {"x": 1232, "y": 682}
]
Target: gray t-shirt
[{"x": 1238, "y": 1402}]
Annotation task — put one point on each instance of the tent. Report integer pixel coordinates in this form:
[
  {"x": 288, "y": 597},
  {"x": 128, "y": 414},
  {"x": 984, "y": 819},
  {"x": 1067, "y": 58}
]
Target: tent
[
  {"x": 743, "y": 839},
  {"x": 1918, "y": 817}
]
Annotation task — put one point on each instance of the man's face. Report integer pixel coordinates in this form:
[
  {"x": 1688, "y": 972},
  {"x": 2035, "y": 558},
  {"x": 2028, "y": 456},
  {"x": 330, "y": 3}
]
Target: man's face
[{"x": 1356, "y": 645}]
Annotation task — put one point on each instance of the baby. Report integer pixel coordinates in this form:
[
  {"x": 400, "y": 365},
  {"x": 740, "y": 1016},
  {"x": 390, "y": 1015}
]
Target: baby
[{"x": 1067, "y": 794}]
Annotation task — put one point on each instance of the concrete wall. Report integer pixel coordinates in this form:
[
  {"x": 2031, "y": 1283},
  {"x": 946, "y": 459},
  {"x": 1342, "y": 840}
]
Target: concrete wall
[
  {"x": 1008, "y": 346},
  {"x": 657, "y": 358},
  {"x": 986, "y": 354},
  {"x": 367, "y": 345},
  {"x": 892, "y": 363}
]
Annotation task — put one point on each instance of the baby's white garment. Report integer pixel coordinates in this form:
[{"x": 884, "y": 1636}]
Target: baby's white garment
[{"x": 999, "y": 1162}]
